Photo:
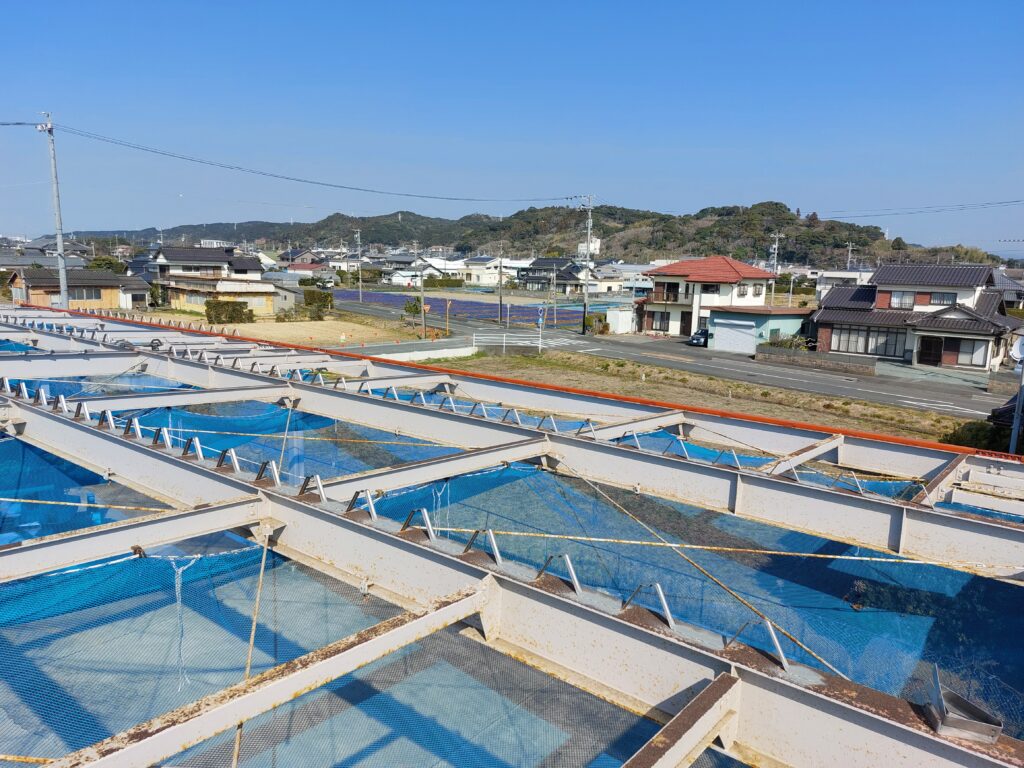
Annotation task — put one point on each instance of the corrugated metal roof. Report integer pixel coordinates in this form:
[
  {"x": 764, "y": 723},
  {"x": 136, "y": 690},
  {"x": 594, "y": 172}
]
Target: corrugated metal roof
[{"x": 947, "y": 275}]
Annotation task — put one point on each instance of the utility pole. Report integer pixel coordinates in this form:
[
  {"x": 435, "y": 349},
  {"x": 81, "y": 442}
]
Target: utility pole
[
  {"x": 850, "y": 248},
  {"x": 423, "y": 301},
  {"x": 589, "y": 208},
  {"x": 62, "y": 267},
  {"x": 776, "y": 236},
  {"x": 501, "y": 280},
  {"x": 554, "y": 299},
  {"x": 359, "y": 261}
]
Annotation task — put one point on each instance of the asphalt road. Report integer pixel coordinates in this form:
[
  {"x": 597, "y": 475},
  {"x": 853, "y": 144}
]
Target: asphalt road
[{"x": 962, "y": 400}]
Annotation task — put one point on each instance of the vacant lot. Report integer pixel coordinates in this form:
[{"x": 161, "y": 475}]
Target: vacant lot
[
  {"x": 626, "y": 378},
  {"x": 343, "y": 329}
]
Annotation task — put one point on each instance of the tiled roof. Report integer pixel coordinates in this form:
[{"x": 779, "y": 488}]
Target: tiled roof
[
  {"x": 203, "y": 255},
  {"x": 713, "y": 269},
  {"x": 948, "y": 275},
  {"x": 880, "y": 317},
  {"x": 849, "y": 297},
  {"x": 986, "y": 318},
  {"x": 306, "y": 267},
  {"x": 79, "y": 278}
]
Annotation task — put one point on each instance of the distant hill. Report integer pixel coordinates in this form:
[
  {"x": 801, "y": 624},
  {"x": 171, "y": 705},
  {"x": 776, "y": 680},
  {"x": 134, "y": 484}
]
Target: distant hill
[{"x": 634, "y": 235}]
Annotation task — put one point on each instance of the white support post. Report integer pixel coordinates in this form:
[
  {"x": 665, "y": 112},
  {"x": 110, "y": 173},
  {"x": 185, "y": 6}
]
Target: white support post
[
  {"x": 62, "y": 404},
  {"x": 573, "y": 580},
  {"x": 319, "y": 379},
  {"x": 22, "y": 390},
  {"x": 775, "y": 642},
  {"x": 428, "y": 526}
]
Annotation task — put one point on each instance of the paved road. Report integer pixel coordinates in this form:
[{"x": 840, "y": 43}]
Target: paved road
[{"x": 954, "y": 399}]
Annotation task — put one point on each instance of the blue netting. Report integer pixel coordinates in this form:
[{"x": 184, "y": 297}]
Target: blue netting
[
  {"x": 664, "y": 441},
  {"x": 27, "y": 472},
  {"x": 93, "y": 386},
  {"x": 314, "y": 444},
  {"x": 6, "y": 345},
  {"x": 521, "y": 314},
  {"x": 956, "y": 506},
  {"x": 443, "y": 701},
  {"x": 491, "y": 411},
  {"x": 89, "y": 652},
  {"x": 877, "y": 623}
]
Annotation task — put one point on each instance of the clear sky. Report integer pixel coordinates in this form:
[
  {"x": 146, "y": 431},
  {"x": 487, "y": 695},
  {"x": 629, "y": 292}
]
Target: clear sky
[{"x": 671, "y": 106}]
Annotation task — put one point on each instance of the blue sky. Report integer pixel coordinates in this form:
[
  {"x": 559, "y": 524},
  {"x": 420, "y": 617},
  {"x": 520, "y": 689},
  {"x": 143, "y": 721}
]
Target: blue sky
[{"x": 670, "y": 106}]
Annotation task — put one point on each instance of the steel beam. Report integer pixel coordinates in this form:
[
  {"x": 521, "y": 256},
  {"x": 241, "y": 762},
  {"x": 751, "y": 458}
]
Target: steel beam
[
  {"x": 64, "y": 364},
  {"x": 639, "y": 425},
  {"x": 87, "y": 545},
  {"x": 169, "y": 734},
  {"x": 814, "y": 451},
  {"x": 417, "y": 473},
  {"x": 183, "y": 397}
]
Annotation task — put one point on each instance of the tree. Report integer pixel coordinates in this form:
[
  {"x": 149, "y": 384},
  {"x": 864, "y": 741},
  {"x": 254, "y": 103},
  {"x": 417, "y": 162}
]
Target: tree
[
  {"x": 412, "y": 306},
  {"x": 108, "y": 262},
  {"x": 812, "y": 218},
  {"x": 899, "y": 244}
]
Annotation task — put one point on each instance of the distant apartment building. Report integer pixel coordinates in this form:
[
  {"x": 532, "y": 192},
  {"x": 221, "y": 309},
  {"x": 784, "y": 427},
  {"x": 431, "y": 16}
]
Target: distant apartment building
[
  {"x": 189, "y": 277},
  {"x": 594, "y": 251},
  {"x": 949, "y": 316},
  {"x": 87, "y": 289}
]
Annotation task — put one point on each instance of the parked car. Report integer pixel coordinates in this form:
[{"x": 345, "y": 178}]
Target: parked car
[{"x": 699, "y": 339}]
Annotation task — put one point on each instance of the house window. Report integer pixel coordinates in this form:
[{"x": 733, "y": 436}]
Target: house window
[
  {"x": 686, "y": 289},
  {"x": 758, "y": 289},
  {"x": 709, "y": 288},
  {"x": 859, "y": 340},
  {"x": 973, "y": 352},
  {"x": 659, "y": 321},
  {"x": 944, "y": 298},
  {"x": 702, "y": 323},
  {"x": 84, "y": 294},
  {"x": 902, "y": 300},
  {"x": 741, "y": 289}
]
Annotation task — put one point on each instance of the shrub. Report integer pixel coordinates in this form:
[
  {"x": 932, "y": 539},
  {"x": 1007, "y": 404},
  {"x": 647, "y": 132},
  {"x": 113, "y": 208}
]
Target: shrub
[
  {"x": 221, "y": 312},
  {"x": 443, "y": 282},
  {"x": 412, "y": 306},
  {"x": 789, "y": 342},
  {"x": 979, "y": 434},
  {"x": 307, "y": 281}
]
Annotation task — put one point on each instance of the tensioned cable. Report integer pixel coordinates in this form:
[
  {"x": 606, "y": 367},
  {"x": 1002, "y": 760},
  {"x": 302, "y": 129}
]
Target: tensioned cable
[{"x": 284, "y": 177}]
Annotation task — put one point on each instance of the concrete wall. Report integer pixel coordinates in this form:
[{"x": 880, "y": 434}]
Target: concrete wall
[{"x": 826, "y": 361}]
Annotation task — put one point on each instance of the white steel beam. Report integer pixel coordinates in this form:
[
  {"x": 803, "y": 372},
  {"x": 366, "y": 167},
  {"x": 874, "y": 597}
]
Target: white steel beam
[
  {"x": 182, "y": 397},
  {"x": 640, "y": 425},
  {"x": 814, "y": 451},
  {"x": 167, "y": 735},
  {"x": 87, "y": 545},
  {"x": 64, "y": 364}
]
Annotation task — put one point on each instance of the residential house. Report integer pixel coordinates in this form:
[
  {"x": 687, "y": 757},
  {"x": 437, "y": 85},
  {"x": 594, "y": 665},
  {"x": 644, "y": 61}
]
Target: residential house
[
  {"x": 410, "y": 277},
  {"x": 299, "y": 256},
  {"x": 686, "y": 291},
  {"x": 1013, "y": 290},
  {"x": 47, "y": 246},
  {"x": 12, "y": 258},
  {"x": 189, "y": 277},
  {"x": 541, "y": 274},
  {"x": 87, "y": 289},
  {"x": 314, "y": 271},
  {"x": 950, "y": 316}
]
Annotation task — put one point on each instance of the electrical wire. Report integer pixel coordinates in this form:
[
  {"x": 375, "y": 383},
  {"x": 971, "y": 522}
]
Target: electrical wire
[{"x": 284, "y": 177}]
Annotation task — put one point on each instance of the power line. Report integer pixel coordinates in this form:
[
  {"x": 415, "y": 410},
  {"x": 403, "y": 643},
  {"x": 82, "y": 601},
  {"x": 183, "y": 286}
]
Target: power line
[
  {"x": 913, "y": 211},
  {"x": 284, "y": 177}
]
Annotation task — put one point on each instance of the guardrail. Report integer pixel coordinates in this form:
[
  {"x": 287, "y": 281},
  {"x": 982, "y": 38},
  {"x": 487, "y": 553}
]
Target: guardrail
[{"x": 505, "y": 340}]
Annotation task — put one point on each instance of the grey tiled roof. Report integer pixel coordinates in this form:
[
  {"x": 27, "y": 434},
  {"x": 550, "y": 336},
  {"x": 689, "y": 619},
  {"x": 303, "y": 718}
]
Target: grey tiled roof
[
  {"x": 849, "y": 297},
  {"x": 80, "y": 278},
  {"x": 945, "y": 275},
  {"x": 880, "y": 317}
]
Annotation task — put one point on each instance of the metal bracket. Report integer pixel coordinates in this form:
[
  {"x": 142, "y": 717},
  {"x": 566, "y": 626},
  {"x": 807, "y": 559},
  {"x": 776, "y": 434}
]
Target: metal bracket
[
  {"x": 426, "y": 522},
  {"x": 228, "y": 460},
  {"x": 495, "y": 552},
  {"x": 666, "y": 614},
  {"x": 266, "y": 530},
  {"x": 370, "y": 508},
  {"x": 315, "y": 482},
  {"x": 269, "y": 467},
  {"x": 573, "y": 580}
]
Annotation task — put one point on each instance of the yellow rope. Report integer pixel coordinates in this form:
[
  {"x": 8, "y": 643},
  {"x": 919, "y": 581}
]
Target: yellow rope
[
  {"x": 27, "y": 759},
  {"x": 742, "y": 600},
  {"x": 736, "y": 550},
  {"x": 86, "y": 504}
]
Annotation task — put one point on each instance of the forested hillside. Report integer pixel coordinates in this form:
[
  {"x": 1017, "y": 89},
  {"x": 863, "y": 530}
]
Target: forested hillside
[{"x": 743, "y": 232}]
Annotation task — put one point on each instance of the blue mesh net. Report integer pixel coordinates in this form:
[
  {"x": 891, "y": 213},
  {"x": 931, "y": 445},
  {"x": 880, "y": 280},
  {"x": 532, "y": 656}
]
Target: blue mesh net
[
  {"x": 444, "y": 701},
  {"x": 92, "y": 386},
  {"x": 491, "y": 411},
  {"x": 6, "y": 345},
  {"x": 89, "y": 652},
  {"x": 879, "y": 623},
  {"x": 664, "y": 441},
  {"x": 29, "y": 474},
  {"x": 303, "y": 444}
]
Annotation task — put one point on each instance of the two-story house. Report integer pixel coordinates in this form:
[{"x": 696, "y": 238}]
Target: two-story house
[
  {"x": 685, "y": 292},
  {"x": 87, "y": 289},
  {"x": 188, "y": 277},
  {"x": 922, "y": 314},
  {"x": 542, "y": 273}
]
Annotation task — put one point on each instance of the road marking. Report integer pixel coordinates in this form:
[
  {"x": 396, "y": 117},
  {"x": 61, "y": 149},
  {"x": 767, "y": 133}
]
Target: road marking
[{"x": 935, "y": 405}]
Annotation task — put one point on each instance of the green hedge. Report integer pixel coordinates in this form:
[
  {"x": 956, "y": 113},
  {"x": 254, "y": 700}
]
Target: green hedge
[
  {"x": 443, "y": 282},
  {"x": 228, "y": 312}
]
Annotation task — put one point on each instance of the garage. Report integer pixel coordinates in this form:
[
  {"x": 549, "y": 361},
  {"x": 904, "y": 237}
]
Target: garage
[{"x": 734, "y": 336}]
